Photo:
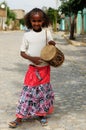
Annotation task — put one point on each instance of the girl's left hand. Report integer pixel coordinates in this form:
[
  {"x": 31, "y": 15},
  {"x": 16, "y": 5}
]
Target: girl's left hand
[{"x": 52, "y": 43}]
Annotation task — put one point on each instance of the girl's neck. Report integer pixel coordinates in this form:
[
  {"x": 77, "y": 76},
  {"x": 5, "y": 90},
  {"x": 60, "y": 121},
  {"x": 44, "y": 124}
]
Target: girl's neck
[{"x": 37, "y": 30}]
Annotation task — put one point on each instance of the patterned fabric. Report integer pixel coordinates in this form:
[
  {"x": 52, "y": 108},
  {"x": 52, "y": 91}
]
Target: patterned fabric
[
  {"x": 37, "y": 95},
  {"x": 35, "y": 101}
]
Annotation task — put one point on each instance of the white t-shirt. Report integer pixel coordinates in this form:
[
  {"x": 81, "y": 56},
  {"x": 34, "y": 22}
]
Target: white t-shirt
[{"x": 33, "y": 42}]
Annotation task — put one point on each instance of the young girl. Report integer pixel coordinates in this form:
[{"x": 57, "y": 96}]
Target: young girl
[{"x": 37, "y": 95}]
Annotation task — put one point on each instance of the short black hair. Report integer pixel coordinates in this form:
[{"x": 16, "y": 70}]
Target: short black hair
[{"x": 32, "y": 12}]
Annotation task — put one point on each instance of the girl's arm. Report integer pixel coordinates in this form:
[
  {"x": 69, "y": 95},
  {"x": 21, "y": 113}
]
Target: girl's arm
[{"x": 35, "y": 60}]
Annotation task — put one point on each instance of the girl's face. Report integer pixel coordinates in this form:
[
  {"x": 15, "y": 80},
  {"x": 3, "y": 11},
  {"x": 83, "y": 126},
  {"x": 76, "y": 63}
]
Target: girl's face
[{"x": 36, "y": 21}]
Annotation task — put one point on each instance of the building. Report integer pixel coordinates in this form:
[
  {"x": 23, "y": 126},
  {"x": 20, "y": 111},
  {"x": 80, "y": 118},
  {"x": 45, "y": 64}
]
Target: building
[
  {"x": 3, "y": 17},
  {"x": 19, "y": 13}
]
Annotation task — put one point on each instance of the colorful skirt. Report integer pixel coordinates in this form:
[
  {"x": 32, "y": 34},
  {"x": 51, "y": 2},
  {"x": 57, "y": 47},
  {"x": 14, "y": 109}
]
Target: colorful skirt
[{"x": 37, "y": 96}]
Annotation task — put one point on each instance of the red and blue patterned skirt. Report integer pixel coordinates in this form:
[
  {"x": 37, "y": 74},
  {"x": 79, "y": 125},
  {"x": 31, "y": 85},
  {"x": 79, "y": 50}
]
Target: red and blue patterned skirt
[{"x": 37, "y": 96}]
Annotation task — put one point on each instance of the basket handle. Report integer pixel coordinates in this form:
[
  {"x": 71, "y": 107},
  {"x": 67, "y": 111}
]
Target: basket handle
[{"x": 46, "y": 36}]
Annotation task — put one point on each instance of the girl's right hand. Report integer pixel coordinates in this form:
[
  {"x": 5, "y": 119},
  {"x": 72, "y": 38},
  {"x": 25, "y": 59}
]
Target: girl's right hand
[{"x": 36, "y": 60}]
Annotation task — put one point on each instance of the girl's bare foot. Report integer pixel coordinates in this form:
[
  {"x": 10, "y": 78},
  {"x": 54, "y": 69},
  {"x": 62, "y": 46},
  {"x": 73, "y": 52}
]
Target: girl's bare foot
[{"x": 15, "y": 123}]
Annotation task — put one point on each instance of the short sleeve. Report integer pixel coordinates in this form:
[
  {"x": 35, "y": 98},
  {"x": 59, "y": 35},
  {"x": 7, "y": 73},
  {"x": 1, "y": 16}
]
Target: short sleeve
[
  {"x": 49, "y": 36},
  {"x": 25, "y": 45}
]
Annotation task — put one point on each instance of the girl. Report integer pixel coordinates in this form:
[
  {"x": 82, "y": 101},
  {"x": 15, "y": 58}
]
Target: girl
[{"x": 37, "y": 95}]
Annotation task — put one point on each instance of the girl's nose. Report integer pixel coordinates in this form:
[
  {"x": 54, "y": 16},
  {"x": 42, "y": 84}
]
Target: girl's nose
[{"x": 36, "y": 23}]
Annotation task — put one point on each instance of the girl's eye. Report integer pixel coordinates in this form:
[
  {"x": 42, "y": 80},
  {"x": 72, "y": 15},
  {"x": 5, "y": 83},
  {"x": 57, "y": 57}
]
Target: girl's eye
[
  {"x": 37, "y": 21},
  {"x": 33, "y": 21}
]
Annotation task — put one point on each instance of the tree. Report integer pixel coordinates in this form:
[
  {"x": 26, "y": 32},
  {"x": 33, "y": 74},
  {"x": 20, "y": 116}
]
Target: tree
[
  {"x": 71, "y": 8},
  {"x": 10, "y": 14},
  {"x": 54, "y": 17}
]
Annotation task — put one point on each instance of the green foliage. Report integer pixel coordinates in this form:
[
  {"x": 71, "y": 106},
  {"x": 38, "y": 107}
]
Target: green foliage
[
  {"x": 50, "y": 13},
  {"x": 8, "y": 22},
  {"x": 21, "y": 21},
  {"x": 54, "y": 17},
  {"x": 10, "y": 14},
  {"x": 72, "y": 6}
]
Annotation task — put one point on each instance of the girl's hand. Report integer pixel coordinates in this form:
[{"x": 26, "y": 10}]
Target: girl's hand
[
  {"x": 52, "y": 43},
  {"x": 36, "y": 60}
]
